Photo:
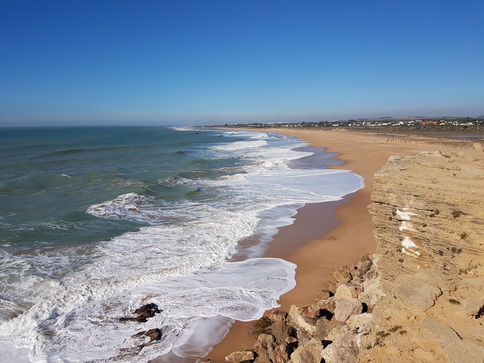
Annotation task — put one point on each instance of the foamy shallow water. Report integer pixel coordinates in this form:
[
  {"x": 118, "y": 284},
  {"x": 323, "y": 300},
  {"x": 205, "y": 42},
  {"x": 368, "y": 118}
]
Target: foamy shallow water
[{"x": 69, "y": 299}]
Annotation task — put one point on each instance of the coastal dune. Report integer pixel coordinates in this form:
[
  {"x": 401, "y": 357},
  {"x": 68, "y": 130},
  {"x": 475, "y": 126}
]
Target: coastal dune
[{"x": 345, "y": 244}]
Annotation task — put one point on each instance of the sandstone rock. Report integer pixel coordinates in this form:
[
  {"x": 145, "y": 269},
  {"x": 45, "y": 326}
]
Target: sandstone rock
[
  {"x": 347, "y": 307},
  {"x": 309, "y": 353},
  {"x": 416, "y": 293},
  {"x": 327, "y": 304},
  {"x": 268, "y": 350},
  {"x": 359, "y": 320},
  {"x": 264, "y": 347},
  {"x": 291, "y": 340},
  {"x": 363, "y": 267},
  {"x": 264, "y": 341},
  {"x": 342, "y": 275},
  {"x": 343, "y": 347},
  {"x": 307, "y": 325},
  {"x": 428, "y": 224},
  {"x": 282, "y": 331},
  {"x": 343, "y": 292},
  {"x": 241, "y": 356},
  {"x": 324, "y": 294},
  {"x": 278, "y": 315},
  {"x": 372, "y": 291},
  {"x": 261, "y": 326},
  {"x": 310, "y": 311},
  {"x": 457, "y": 349},
  {"x": 323, "y": 327},
  {"x": 472, "y": 308},
  {"x": 367, "y": 341}
]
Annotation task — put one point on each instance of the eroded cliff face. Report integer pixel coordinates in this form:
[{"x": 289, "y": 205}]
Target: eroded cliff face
[{"x": 428, "y": 213}]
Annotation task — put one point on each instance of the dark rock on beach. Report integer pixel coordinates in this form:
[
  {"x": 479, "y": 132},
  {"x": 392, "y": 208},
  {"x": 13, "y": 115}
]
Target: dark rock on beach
[
  {"x": 152, "y": 334},
  {"x": 143, "y": 313}
]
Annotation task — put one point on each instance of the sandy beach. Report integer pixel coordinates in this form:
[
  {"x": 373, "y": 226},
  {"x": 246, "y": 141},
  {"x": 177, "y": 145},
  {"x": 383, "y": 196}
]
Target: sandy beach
[{"x": 327, "y": 236}]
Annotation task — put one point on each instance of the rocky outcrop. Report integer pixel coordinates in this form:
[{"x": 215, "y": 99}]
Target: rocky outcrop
[
  {"x": 329, "y": 329},
  {"x": 143, "y": 313},
  {"x": 143, "y": 338},
  {"x": 428, "y": 213}
]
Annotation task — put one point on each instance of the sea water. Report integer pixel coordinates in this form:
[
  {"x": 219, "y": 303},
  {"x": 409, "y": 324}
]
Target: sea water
[{"x": 97, "y": 221}]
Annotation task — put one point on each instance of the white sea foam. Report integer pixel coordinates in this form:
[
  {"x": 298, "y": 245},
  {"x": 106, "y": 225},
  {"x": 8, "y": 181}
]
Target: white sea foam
[
  {"x": 130, "y": 206},
  {"x": 181, "y": 265},
  {"x": 241, "y": 145},
  {"x": 80, "y": 316},
  {"x": 186, "y": 128}
]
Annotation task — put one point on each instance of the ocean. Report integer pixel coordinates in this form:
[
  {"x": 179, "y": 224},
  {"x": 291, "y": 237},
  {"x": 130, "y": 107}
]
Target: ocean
[{"x": 98, "y": 221}]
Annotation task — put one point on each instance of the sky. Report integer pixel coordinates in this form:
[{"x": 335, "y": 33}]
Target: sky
[{"x": 193, "y": 62}]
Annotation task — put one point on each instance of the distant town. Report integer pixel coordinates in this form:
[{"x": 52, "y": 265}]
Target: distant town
[{"x": 468, "y": 124}]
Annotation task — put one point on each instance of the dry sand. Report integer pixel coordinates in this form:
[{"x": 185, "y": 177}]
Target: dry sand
[{"x": 321, "y": 246}]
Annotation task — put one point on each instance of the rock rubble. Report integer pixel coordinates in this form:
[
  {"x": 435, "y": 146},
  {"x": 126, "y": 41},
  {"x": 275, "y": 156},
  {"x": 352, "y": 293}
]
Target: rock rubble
[{"x": 329, "y": 329}]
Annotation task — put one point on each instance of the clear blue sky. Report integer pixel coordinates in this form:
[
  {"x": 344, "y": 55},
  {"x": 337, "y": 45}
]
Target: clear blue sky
[{"x": 205, "y": 62}]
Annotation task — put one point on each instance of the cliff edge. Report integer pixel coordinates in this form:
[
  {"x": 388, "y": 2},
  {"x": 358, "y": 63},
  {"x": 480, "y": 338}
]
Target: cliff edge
[{"x": 428, "y": 214}]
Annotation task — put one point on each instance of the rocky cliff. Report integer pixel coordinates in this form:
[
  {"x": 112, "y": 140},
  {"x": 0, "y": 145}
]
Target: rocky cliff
[
  {"x": 420, "y": 298},
  {"x": 428, "y": 214}
]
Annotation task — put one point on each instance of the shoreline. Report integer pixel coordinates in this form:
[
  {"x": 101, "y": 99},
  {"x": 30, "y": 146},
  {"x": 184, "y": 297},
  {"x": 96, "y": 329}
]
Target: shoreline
[{"x": 352, "y": 237}]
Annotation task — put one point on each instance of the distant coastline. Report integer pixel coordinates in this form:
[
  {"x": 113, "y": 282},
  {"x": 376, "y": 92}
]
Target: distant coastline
[{"x": 433, "y": 126}]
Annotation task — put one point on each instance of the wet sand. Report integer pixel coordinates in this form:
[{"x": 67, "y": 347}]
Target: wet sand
[{"x": 327, "y": 236}]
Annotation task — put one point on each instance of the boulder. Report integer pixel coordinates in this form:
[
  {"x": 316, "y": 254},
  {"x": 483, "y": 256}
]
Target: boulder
[
  {"x": 324, "y": 294},
  {"x": 241, "y": 356},
  {"x": 344, "y": 292},
  {"x": 143, "y": 313},
  {"x": 327, "y": 304},
  {"x": 309, "y": 353},
  {"x": 268, "y": 350},
  {"x": 363, "y": 267},
  {"x": 372, "y": 291},
  {"x": 323, "y": 327},
  {"x": 343, "y": 347},
  {"x": 417, "y": 294},
  {"x": 306, "y": 324},
  {"x": 150, "y": 308},
  {"x": 359, "y": 320},
  {"x": 280, "y": 328},
  {"x": 347, "y": 307},
  {"x": 342, "y": 275},
  {"x": 153, "y": 334},
  {"x": 261, "y": 326}
]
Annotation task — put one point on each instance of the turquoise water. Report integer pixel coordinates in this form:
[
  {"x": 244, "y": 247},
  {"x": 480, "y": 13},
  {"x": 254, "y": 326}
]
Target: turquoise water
[{"x": 95, "y": 222}]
